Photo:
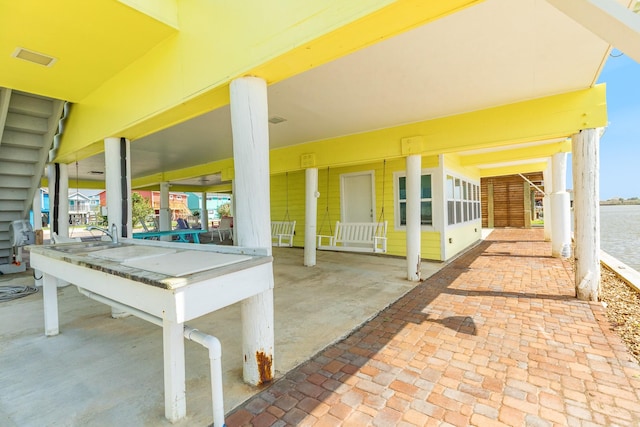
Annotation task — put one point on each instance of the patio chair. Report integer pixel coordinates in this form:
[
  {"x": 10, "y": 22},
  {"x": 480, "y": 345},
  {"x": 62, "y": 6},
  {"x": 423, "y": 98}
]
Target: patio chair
[{"x": 226, "y": 226}]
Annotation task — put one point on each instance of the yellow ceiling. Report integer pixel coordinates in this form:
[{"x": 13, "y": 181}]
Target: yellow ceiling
[{"x": 91, "y": 41}]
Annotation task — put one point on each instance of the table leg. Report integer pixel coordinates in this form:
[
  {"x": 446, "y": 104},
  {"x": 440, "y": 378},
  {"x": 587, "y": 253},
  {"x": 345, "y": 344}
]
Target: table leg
[
  {"x": 50, "y": 299},
  {"x": 175, "y": 403}
]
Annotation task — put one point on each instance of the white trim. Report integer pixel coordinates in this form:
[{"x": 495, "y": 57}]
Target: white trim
[
  {"x": 372, "y": 174},
  {"x": 476, "y": 201},
  {"x": 396, "y": 199}
]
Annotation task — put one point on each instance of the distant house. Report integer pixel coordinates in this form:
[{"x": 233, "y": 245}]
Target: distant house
[
  {"x": 82, "y": 207},
  {"x": 177, "y": 202}
]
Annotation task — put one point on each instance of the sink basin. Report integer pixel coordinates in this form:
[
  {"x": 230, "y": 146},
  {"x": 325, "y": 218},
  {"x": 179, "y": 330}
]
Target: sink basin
[{"x": 84, "y": 247}]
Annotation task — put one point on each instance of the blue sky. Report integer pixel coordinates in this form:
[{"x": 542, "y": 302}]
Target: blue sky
[{"x": 620, "y": 145}]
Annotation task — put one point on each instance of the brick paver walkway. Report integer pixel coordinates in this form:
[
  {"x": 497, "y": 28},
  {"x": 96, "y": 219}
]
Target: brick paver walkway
[{"x": 495, "y": 338}]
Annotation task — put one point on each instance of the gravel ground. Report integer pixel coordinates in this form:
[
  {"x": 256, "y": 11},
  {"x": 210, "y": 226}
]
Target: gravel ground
[{"x": 622, "y": 304}]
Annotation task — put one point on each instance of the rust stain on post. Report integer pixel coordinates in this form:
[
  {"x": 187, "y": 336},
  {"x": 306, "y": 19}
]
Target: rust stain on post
[{"x": 264, "y": 366}]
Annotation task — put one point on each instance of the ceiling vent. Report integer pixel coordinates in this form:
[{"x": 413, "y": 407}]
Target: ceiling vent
[{"x": 34, "y": 57}]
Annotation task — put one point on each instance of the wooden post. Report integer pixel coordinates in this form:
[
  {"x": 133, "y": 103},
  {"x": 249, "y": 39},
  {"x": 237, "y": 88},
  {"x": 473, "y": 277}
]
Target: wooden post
[
  {"x": 546, "y": 201},
  {"x": 560, "y": 209},
  {"x": 310, "y": 216},
  {"x": 586, "y": 203},
  {"x": 37, "y": 217},
  {"x": 527, "y": 204},
  {"x": 164, "y": 217},
  {"x": 117, "y": 185},
  {"x": 252, "y": 218},
  {"x": 414, "y": 223},
  {"x": 490, "y": 219},
  {"x": 59, "y": 195},
  {"x": 204, "y": 213}
]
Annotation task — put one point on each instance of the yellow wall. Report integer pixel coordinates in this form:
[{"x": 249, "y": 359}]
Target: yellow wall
[
  {"x": 329, "y": 188},
  {"x": 294, "y": 201}
]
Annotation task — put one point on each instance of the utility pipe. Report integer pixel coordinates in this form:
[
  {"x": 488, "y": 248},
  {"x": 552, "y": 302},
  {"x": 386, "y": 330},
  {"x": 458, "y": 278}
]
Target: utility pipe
[
  {"x": 208, "y": 341},
  {"x": 215, "y": 362}
]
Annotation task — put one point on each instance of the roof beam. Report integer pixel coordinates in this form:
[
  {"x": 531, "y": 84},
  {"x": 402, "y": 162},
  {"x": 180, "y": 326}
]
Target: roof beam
[
  {"x": 607, "y": 19},
  {"x": 513, "y": 169},
  {"x": 517, "y": 154}
]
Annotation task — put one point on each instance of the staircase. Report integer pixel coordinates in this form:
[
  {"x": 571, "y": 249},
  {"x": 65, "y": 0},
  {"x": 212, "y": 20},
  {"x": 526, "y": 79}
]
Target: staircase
[{"x": 28, "y": 124}]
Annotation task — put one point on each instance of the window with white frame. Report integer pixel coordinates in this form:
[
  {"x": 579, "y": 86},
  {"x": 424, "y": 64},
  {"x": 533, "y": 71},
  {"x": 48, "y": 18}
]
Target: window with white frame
[
  {"x": 463, "y": 200},
  {"x": 426, "y": 207}
]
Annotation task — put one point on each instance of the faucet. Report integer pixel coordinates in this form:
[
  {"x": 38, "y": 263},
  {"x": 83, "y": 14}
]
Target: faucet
[{"x": 113, "y": 234}]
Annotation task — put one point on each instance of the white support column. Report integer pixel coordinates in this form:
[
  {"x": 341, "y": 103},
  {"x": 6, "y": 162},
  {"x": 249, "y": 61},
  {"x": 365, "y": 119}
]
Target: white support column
[
  {"x": 37, "y": 210},
  {"x": 560, "y": 209},
  {"x": 546, "y": 201},
  {"x": 204, "y": 213},
  {"x": 252, "y": 218},
  {"x": 164, "y": 220},
  {"x": 118, "y": 184},
  {"x": 414, "y": 224},
  {"x": 50, "y": 299},
  {"x": 232, "y": 210},
  {"x": 59, "y": 194},
  {"x": 586, "y": 203},
  {"x": 118, "y": 190},
  {"x": 310, "y": 216},
  {"x": 175, "y": 400}
]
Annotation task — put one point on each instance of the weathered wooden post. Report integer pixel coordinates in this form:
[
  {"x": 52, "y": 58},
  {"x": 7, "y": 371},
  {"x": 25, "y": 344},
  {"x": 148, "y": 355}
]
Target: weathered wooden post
[
  {"x": 310, "y": 216},
  {"x": 560, "y": 209},
  {"x": 414, "y": 223},
  {"x": 252, "y": 218},
  {"x": 586, "y": 204}
]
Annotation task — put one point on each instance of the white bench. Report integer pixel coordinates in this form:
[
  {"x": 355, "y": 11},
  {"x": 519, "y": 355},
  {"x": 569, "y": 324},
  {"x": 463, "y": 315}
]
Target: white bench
[
  {"x": 282, "y": 233},
  {"x": 356, "y": 237}
]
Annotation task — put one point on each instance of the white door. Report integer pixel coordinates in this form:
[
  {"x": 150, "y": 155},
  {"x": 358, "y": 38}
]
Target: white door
[{"x": 357, "y": 197}]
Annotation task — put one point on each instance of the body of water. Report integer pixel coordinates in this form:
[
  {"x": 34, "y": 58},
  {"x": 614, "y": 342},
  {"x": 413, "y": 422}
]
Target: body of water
[{"x": 620, "y": 233}]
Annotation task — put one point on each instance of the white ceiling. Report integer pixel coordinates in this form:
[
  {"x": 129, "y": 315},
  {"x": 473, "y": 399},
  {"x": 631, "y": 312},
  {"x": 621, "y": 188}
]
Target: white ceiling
[{"x": 495, "y": 53}]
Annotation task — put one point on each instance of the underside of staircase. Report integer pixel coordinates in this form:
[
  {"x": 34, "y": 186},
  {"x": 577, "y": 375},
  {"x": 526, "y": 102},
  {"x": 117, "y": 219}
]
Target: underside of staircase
[{"x": 28, "y": 124}]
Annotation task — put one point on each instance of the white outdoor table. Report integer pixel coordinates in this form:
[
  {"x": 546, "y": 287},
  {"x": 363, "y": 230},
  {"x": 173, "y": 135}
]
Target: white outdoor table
[{"x": 175, "y": 282}]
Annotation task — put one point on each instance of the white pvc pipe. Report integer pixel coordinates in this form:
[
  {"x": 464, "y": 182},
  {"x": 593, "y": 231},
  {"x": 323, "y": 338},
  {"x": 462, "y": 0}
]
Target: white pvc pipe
[
  {"x": 208, "y": 341},
  {"x": 215, "y": 359}
]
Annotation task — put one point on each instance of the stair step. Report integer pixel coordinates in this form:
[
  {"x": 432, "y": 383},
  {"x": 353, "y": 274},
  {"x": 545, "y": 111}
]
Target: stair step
[
  {"x": 24, "y": 123},
  {"x": 5, "y": 244},
  {"x": 30, "y": 105},
  {"x": 13, "y": 194},
  {"x": 16, "y": 154},
  {"x": 17, "y": 169},
  {"x": 10, "y": 181},
  {"x": 6, "y": 254},
  {"x": 11, "y": 205},
  {"x": 10, "y": 216},
  {"x": 12, "y": 138}
]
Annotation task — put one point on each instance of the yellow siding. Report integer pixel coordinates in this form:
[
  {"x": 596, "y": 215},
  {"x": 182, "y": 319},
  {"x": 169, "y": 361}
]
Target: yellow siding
[
  {"x": 293, "y": 202},
  {"x": 329, "y": 203}
]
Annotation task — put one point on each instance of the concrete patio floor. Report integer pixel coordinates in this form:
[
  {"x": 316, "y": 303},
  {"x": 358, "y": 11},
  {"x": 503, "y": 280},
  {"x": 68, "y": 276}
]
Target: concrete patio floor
[{"x": 108, "y": 372}]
